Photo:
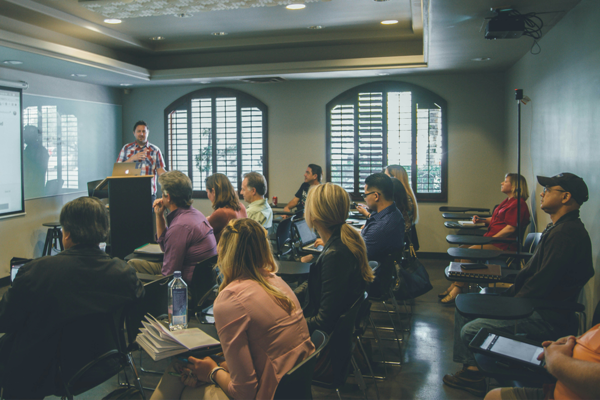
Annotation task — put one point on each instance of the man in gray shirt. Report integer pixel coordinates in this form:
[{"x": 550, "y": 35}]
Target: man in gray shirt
[{"x": 254, "y": 188}]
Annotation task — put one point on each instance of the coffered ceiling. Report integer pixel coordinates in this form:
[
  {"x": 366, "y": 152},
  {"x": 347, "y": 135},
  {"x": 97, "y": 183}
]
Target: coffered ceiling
[{"x": 183, "y": 41}]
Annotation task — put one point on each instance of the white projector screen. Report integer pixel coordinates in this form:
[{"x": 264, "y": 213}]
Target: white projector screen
[{"x": 12, "y": 201}]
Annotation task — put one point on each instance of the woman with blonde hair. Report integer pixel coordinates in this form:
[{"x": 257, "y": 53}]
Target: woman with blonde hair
[
  {"x": 398, "y": 172},
  {"x": 341, "y": 273},
  {"x": 259, "y": 321},
  {"x": 503, "y": 223},
  {"x": 225, "y": 202}
]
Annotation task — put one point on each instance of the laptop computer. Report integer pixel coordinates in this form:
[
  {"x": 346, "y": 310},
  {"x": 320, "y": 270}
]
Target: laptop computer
[
  {"x": 307, "y": 237},
  {"x": 127, "y": 169}
]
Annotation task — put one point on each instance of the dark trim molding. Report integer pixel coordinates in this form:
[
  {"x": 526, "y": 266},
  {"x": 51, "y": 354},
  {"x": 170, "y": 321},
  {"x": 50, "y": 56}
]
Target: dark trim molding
[{"x": 5, "y": 281}]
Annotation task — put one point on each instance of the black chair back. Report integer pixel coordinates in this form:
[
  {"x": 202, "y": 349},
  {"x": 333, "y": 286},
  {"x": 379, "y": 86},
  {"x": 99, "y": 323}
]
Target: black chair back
[
  {"x": 204, "y": 280},
  {"x": 297, "y": 382},
  {"x": 101, "y": 194},
  {"x": 283, "y": 235},
  {"x": 531, "y": 241},
  {"x": 385, "y": 275},
  {"x": 92, "y": 350},
  {"x": 341, "y": 345},
  {"x": 155, "y": 302}
]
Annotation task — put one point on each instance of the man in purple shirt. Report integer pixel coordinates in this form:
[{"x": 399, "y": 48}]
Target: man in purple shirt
[{"x": 184, "y": 234}]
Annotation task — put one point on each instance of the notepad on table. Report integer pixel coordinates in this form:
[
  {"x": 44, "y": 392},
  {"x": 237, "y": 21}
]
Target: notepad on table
[
  {"x": 490, "y": 271},
  {"x": 159, "y": 342},
  {"x": 470, "y": 223},
  {"x": 149, "y": 248}
]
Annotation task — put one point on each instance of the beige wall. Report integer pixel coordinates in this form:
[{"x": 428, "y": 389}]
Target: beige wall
[
  {"x": 560, "y": 126},
  {"x": 24, "y": 236},
  {"x": 297, "y": 135}
]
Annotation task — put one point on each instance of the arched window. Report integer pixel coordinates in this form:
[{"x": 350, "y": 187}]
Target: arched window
[
  {"x": 216, "y": 130},
  {"x": 383, "y": 123}
]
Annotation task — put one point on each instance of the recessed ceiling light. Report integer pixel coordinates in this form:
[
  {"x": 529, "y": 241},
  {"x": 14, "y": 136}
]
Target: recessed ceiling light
[
  {"x": 112, "y": 21},
  {"x": 481, "y": 59},
  {"x": 389, "y": 22},
  {"x": 126, "y": 84},
  {"x": 205, "y": 82},
  {"x": 219, "y": 33},
  {"x": 184, "y": 15},
  {"x": 12, "y": 62},
  {"x": 383, "y": 74},
  {"x": 297, "y": 6},
  {"x": 79, "y": 75},
  {"x": 315, "y": 27},
  {"x": 157, "y": 38},
  {"x": 379, "y": 1}
]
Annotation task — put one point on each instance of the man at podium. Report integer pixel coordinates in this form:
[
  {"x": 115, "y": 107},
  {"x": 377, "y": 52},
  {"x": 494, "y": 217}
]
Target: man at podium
[{"x": 142, "y": 151}]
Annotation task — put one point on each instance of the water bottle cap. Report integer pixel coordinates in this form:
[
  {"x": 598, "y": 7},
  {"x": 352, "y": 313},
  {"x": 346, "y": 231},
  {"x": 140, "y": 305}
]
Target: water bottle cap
[{"x": 177, "y": 274}]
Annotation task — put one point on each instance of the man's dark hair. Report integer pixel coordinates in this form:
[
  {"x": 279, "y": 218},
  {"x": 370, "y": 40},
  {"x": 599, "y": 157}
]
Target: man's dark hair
[
  {"x": 139, "y": 123},
  {"x": 316, "y": 169},
  {"x": 177, "y": 185},
  {"x": 381, "y": 183},
  {"x": 257, "y": 181},
  {"x": 86, "y": 219}
]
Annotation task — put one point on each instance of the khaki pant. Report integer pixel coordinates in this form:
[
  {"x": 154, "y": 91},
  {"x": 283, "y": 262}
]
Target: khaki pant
[
  {"x": 170, "y": 387},
  {"x": 146, "y": 267}
]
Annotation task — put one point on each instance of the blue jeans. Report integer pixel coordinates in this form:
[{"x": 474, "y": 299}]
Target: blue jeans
[{"x": 465, "y": 329}]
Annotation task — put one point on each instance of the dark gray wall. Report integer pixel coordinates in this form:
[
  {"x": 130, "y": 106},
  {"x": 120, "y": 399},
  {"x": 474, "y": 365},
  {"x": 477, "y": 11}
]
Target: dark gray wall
[{"x": 561, "y": 124}]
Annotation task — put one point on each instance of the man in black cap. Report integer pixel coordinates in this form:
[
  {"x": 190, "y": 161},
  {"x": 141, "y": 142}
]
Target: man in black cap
[{"x": 560, "y": 267}]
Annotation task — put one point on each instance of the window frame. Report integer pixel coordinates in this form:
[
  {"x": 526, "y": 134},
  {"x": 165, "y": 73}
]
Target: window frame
[
  {"x": 243, "y": 100},
  {"x": 418, "y": 95}
]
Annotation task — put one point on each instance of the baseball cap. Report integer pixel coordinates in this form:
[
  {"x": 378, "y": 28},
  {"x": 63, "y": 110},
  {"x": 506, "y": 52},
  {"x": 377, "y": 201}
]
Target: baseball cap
[{"x": 570, "y": 182}]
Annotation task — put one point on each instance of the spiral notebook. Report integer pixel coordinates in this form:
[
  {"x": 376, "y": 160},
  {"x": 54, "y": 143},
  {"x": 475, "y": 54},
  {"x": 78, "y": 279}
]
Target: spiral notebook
[{"x": 491, "y": 271}]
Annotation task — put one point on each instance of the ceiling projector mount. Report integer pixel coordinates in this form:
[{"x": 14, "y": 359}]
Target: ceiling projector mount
[{"x": 508, "y": 23}]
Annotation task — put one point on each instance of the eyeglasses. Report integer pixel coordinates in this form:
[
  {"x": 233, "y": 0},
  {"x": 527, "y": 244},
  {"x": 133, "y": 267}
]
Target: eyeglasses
[
  {"x": 549, "y": 189},
  {"x": 364, "y": 195}
]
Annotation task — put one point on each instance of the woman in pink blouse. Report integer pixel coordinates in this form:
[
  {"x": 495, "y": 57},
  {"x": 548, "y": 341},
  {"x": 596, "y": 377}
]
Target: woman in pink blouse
[
  {"x": 259, "y": 321},
  {"x": 225, "y": 202}
]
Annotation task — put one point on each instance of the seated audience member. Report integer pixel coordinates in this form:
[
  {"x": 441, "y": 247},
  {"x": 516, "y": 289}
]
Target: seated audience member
[
  {"x": 341, "y": 273},
  {"x": 254, "y": 188},
  {"x": 52, "y": 291},
  {"x": 384, "y": 230},
  {"x": 401, "y": 200},
  {"x": 398, "y": 172},
  {"x": 312, "y": 177},
  {"x": 560, "y": 267},
  {"x": 574, "y": 362},
  {"x": 184, "y": 234},
  {"x": 224, "y": 201},
  {"x": 502, "y": 224},
  {"x": 259, "y": 322}
]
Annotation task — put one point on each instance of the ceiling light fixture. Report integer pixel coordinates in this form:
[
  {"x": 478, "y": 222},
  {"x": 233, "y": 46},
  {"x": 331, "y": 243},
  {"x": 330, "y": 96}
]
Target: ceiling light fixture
[
  {"x": 112, "y": 21},
  {"x": 379, "y": 1},
  {"x": 126, "y": 84},
  {"x": 383, "y": 74},
  {"x": 184, "y": 15},
  {"x": 79, "y": 75},
  {"x": 157, "y": 38},
  {"x": 12, "y": 62},
  {"x": 315, "y": 27},
  {"x": 295, "y": 6},
  {"x": 389, "y": 22},
  {"x": 205, "y": 82},
  {"x": 481, "y": 59},
  {"x": 219, "y": 33}
]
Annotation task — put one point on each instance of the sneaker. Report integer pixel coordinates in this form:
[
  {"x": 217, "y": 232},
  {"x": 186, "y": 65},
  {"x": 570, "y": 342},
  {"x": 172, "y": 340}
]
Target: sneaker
[{"x": 471, "y": 381}]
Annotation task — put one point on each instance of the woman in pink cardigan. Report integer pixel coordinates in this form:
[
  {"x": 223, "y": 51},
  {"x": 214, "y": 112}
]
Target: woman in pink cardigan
[{"x": 259, "y": 321}]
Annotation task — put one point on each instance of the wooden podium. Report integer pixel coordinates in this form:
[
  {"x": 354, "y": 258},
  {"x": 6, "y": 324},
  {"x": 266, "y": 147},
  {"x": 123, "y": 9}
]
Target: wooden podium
[{"x": 130, "y": 205}]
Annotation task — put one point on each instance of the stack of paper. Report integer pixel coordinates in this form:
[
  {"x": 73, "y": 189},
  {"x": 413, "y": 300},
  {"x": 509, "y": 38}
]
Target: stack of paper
[{"x": 161, "y": 343}]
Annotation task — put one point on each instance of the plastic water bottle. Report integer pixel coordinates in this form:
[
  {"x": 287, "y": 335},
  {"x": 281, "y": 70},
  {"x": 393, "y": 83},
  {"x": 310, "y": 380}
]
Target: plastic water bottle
[{"x": 178, "y": 302}]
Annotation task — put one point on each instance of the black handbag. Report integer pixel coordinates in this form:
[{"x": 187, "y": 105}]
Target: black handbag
[{"x": 412, "y": 279}]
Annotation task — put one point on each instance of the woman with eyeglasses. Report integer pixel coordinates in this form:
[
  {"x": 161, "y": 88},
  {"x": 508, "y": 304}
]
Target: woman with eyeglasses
[
  {"x": 502, "y": 223},
  {"x": 259, "y": 321},
  {"x": 225, "y": 202}
]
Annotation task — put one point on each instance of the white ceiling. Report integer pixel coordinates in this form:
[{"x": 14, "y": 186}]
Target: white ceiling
[{"x": 61, "y": 37}]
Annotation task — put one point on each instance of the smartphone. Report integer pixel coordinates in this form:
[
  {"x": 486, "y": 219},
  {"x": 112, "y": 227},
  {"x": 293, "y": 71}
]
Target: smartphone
[{"x": 511, "y": 350}]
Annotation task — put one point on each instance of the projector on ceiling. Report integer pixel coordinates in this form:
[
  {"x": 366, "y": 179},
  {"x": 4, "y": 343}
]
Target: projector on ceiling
[{"x": 505, "y": 26}]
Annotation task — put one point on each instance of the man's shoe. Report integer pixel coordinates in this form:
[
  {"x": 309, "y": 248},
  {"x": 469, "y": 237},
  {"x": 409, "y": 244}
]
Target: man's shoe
[{"x": 471, "y": 381}]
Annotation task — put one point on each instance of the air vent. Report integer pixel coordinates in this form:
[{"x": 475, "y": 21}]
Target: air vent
[{"x": 270, "y": 79}]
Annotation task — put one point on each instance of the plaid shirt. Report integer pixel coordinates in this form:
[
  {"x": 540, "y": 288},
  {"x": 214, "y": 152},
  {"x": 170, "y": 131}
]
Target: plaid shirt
[{"x": 150, "y": 165}]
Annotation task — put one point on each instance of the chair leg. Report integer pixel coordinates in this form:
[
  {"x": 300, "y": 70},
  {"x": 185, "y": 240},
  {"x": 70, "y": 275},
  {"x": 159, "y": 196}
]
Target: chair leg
[
  {"x": 398, "y": 340},
  {"x": 338, "y": 393},
  {"x": 378, "y": 341},
  {"x": 138, "y": 380},
  {"x": 364, "y": 353},
  {"x": 148, "y": 371},
  {"x": 359, "y": 377}
]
